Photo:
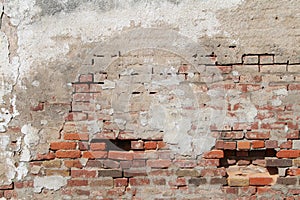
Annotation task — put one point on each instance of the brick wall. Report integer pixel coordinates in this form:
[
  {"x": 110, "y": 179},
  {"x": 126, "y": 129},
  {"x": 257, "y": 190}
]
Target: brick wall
[{"x": 108, "y": 151}]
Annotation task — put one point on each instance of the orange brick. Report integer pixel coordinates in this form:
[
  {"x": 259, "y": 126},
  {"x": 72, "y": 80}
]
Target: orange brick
[
  {"x": 260, "y": 180},
  {"x": 243, "y": 145},
  {"x": 214, "y": 154},
  {"x": 94, "y": 154},
  {"x": 68, "y": 154},
  {"x": 258, "y": 144},
  {"x": 288, "y": 154},
  {"x": 76, "y": 136},
  {"x": 150, "y": 145},
  {"x": 62, "y": 145}
]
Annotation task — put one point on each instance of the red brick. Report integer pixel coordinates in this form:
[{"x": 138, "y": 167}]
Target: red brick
[
  {"x": 47, "y": 156},
  {"x": 68, "y": 154},
  {"x": 107, "y": 182},
  {"x": 257, "y": 135},
  {"x": 120, "y": 155},
  {"x": 181, "y": 181},
  {"x": 83, "y": 146},
  {"x": 260, "y": 180},
  {"x": 150, "y": 145},
  {"x": 120, "y": 182},
  {"x": 219, "y": 144},
  {"x": 138, "y": 163},
  {"x": 161, "y": 145},
  {"x": 209, "y": 162},
  {"x": 159, "y": 181},
  {"x": 158, "y": 163},
  {"x": 214, "y": 154},
  {"x": 243, "y": 145},
  {"x": 139, "y": 181},
  {"x": 230, "y": 190},
  {"x": 62, "y": 145},
  {"x": 80, "y": 173},
  {"x": 126, "y": 164},
  {"x": 94, "y": 154},
  {"x": 137, "y": 145},
  {"x": 72, "y": 163},
  {"x": 139, "y": 155},
  {"x": 256, "y": 144},
  {"x": 293, "y": 134},
  {"x": 293, "y": 172},
  {"x": 73, "y": 183},
  {"x": 231, "y": 135},
  {"x": 213, "y": 172},
  {"x": 271, "y": 144},
  {"x": 76, "y": 136},
  {"x": 294, "y": 87},
  {"x": 98, "y": 146},
  {"x": 286, "y": 145},
  {"x": 86, "y": 78},
  {"x": 288, "y": 154},
  {"x": 294, "y": 191},
  {"x": 83, "y": 97},
  {"x": 9, "y": 194}
]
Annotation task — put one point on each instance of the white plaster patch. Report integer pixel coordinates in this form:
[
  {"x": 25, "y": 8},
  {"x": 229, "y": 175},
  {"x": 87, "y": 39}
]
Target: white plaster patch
[
  {"x": 31, "y": 135},
  {"x": 49, "y": 182},
  {"x": 282, "y": 91},
  {"x": 21, "y": 171}
]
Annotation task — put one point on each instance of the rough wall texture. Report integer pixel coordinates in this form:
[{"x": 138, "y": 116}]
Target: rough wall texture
[{"x": 141, "y": 99}]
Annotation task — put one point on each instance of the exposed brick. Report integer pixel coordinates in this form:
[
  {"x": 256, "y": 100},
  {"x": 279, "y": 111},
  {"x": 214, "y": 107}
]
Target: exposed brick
[
  {"x": 10, "y": 194},
  {"x": 209, "y": 162},
  {"x": 139, "y": 155},
  {"x": 7, "y": 187},
  {"x": 257, "y": 135},
  {"x": 159, "y": 181},
  {"x": 51, "y": 172},
  {"x": 286, "y": 145},
  {"x": 231, "y": 135},
  {"x": 76, "y": 116},
  {"x": 185, "y": 163},
  {"x": 138, "y": 163},
  {"x": 247, "y": 191},
  {"x": 72, "y": 163},
  {"x": 293, "y": 171},
  {"x": 94, "y": 154},
  {"x": 158, "y": 163},
  {"x": 181, "y": 181},
  {"x": 230, "y": 145},
  {"x": 187, "y": 172},
  {"x": 115, "y": 173},
  {"x": 260, "y": 180},
  {"x": 256, "y": 144},
  {"x": 107, "y": 182},
  {"x": 68, "y": 154},
  {"x": 271, "y": 144},
  {"x": 273, "y": 68},
  {"x": 76, "y": 136},
  {"x": 250, "y": 59},
  {"x": 81, "y": 88},
  {"x": 83, "y": 146},
  {"x": 218, "y": 180},
  {"x": 111, "y": 164},
  {"x": 242, "y": 145},
  {"x": 120, "y": 182},
  {"x": 266, "y": 59},
  {"x": 39, "y": 107},
  {"x": 74, "y": 183},
  {"x": 161, "y": 145},
  {"x": 293, "y": 134},
  {"x": 219, "y": 144},
  {"x": 82, "y": 192},
  {"x": 52, "y": 164},
  {"x": 230, "y": 190},
  {"x": 137, "y": 145},
  {"x": 62, "y": 145},
  {"x": 287, "y": 180},
  {"x": 213, "y": 172},
  {"x": 139, "y": 181},
  {"x": 135, "y": 172},
  {"x": 279, "y": 162},
  {"x": 120, "y": 155},
  {"x": 150, "y": 145},
  {"x": 81, "y": 173},
  {"x": 197, "y": 181},
  {"x": 214, "y": 154},
  {"x": 98, "y": 146},
  {"x": 288, "y": 154},
  {"x": 47, "y": 156}
]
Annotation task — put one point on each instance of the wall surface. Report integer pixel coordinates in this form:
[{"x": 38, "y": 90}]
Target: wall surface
[{"x": 140, "y": 99}]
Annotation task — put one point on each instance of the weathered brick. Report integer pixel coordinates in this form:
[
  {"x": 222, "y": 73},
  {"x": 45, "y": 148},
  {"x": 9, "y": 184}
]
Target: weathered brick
[
  {"x": 77, "y": 116},
  {"x": 293, "y": 171},
  {"x": 278, "y": 162},
  {"x": 271, "y": 144},
  {"x": 52, "y": 164},
  {"x": 111, "y": 163},
  {"x": 135, "y": 172},
  {"x": 120, "y": 182},
  {"x": 219, "y": 144},
  {"x": 286, "y": 145},
  {"x": 159, "y": 163},
  {"x": 68, "y": 154},
  {"x": 230, "y": 145},
  {"x": 231, "y": 135},
  {"x": 107, "y": 182},
  {"x": 287, "y": 180},
  {"x": 293, "y": 68},
  {"x": 266, "y": 59},
  {"x": 75, "y": 183},
  {"x": 209, "y": 162},
  {"x": 86, "y": 78},
  {"x": 213, "y": 172},
  {"x": 218, "y": 180},
  {"x": 120, "y": 155},
  {"x": 7, "y": 187},
  {"x": 187, "y": 172},
  {"x": 273, "y": 68},
  {"x": 139, "y": 181},
  {"x": 250, "y": 59},
  {"x": 60, "y": 172},
  {"x": 257, "y": 135},
  {"x": 138, "y": 163},
  {"x": 72, "y": 163},
  {"x": 137, "y": 145},
  {"x": 62, "y": 145},
  {"x": 81, "y": 88},
  {"x": 185, "y": 163},
  {"x": 46, "y": 156},
  {"x": 81, "y": 173},
  {"x": 110, "y": 173},
  {"x": 197, "y": 181},
  {"x": 162, "y": 145}
]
